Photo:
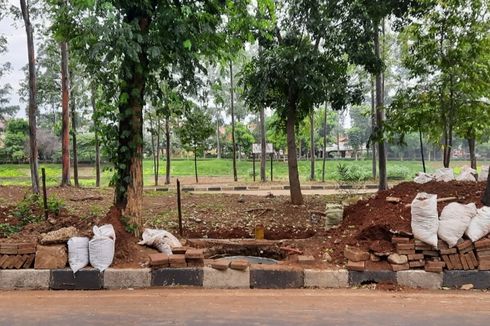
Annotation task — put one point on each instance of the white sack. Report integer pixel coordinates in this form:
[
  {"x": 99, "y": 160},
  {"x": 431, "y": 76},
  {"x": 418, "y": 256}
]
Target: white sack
[
  {"x": 78, "y": 253},
  {"x": 423, "y": 178},
  {"x": 483, "y": 175},
  {"x": 467, "y": 174},
  {"x": 425, "y": 221},
  {"x": 454, "y": 221},
  {"x": 102, "y": 247},
  {"x": 479, "y": 225},
  {"x": 162, "y": 240},
  {"x": 444, "y": 174}
]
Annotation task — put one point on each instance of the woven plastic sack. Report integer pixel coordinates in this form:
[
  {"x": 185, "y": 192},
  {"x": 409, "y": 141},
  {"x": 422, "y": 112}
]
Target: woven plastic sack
[
  {"x": 483, "y": 175},
  {"x": 102, "y": 247},
  {"x": 467, "y": 174},
  {"x": 479, "y": 225},
  {"x": 444, "y": 174},
  {"x": 425, "y": 221},
  {"x": 422, "y": 178},
  {"x": 78, "y": 256},
  {"x": 162, "y": 240},
  {"x": 454, "y": 221}
]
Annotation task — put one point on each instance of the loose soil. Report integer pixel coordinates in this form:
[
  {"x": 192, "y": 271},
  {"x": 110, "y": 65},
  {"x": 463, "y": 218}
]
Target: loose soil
[{"x": 368, "y": 223}]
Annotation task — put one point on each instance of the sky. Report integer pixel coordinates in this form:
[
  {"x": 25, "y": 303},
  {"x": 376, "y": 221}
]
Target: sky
[{"x": 16, "y": 55}]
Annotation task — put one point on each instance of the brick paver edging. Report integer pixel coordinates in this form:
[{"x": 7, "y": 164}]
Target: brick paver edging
[{"x": 257, "y": 276}]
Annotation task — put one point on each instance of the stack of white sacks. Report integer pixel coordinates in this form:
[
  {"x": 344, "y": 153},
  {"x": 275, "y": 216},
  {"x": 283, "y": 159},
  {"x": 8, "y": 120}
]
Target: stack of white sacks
[
  {"x": 99, "y": 251},
  {"x": 447, "y": 174},
  {"x": 456, "y": 220}
]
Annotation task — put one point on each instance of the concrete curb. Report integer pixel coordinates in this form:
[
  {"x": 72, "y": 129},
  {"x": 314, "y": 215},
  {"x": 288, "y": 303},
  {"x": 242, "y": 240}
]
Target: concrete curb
[{"x": 258, "y": 276}]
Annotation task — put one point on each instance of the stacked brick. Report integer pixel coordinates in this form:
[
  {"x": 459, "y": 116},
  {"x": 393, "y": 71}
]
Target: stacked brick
[
  {"x": 181, "y": 257},
  {"x": 410, "y": 253},
  {"x": 17, "y": 255}
]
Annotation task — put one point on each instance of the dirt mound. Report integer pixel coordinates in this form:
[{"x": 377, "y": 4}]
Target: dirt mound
[{"x": 375, "y": 219}]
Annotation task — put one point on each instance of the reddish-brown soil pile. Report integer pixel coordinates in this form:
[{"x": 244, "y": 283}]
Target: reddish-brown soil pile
[{"x": 375, "y": 220}]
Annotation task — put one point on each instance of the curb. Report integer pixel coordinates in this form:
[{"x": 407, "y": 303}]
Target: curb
[{"x": 255, "y": 277}]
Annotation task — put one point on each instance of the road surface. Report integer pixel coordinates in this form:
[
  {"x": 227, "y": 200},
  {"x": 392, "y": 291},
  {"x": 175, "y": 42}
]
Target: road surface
[{"x": 245, "y": 307}]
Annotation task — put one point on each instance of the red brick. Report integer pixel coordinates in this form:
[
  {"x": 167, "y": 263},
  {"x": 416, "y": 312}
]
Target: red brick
[
  {"x": 239, "y": 264},
  {"x": 8, "y": 249},
  {"x": 446, "y": 259},
  {"x": 469, "y": 261},
  {"x": 465, "y": 245},
  {"x": 29, "y": 261},
  {"x": 306, "y": 259},
  {"x": 397, "y": 268},
  {"x": 396, "y": 240},
  {"x": 451, "y": 251},
  {"x": 159, "y": 259},
  {"x": 462, "y": 258},
  {"x": 416, "y": 257},
  {"x": 177, "y": 261},
  {"x": 355, "y": 254},
  {"x": 355, "y": 266},
  {"x": 471, "y": 255},
  {"x": 26, "y": 248},
  {"x": 455, "y": 261},
  {"x": 194, "y": 254},
  {"x": 221, "y": 264},
  {"x": 482, "y": 244},
  {"x": 416, "y": 263},
  {"x": 430, "y": 253},
  {"x": 484, "y": 266},
  {"x": 405, "y": 246},
  {"x": 179, "y": 250},
  {"x": 3, "y": 258},
  {"x": 195, "y": 262}
]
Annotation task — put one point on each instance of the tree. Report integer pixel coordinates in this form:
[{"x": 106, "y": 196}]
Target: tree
[
  {"x": 356, "y": 139},
  {"x": 164, "y": 39},
  {"x": 196, "y": 128},
  {"x": 32, "y": 111},
  {"x": 16, "y": 133},
  {"x": 446, "y": 53},
  {"x": 65, "y": 110}
]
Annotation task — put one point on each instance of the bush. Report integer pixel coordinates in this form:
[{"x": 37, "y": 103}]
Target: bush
[
  {"x": 398, "y": 172},
  {"x": 352, "y": 173}
]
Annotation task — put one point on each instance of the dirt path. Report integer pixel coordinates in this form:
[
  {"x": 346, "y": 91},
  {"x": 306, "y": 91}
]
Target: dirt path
[{"x": 244, "y": 307}]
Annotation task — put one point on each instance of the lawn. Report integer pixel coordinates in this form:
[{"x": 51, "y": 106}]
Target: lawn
[{"x": 220, "y": 171}]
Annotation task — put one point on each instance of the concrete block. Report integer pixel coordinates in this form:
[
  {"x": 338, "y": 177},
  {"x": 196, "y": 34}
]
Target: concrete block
[
  {"x": 177, "y": 276},
  {"x": 227, "y": 279},
  {"x": 24, "y": 279},
  {"x": 456, "y": 279},
  {"x": 276, "y": 278},
  {"x": 326, "y": 278},
  {"x": 419, "y": 279},
  {"x": 84, "y": 279},
  {"x": 127, "y": 278}
]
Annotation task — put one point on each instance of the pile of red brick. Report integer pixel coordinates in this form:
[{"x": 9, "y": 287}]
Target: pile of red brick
[
  {"x": 17, "y": 255},
  {"x": 181, "y": 257},
  {"x": 409, "y": 253}
]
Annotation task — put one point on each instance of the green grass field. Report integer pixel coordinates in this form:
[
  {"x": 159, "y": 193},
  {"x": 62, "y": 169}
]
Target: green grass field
[{"x": 221, "y": 170}]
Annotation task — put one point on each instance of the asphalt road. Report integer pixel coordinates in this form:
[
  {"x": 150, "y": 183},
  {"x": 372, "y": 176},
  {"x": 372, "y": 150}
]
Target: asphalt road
[{"x": 245, "y": 307}]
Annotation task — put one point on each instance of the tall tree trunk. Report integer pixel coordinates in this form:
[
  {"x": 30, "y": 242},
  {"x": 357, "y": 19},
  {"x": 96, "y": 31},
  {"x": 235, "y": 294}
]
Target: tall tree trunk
[
  {"x": 232, "y": 108},
  {"x": 96, "y": 136},
  {"x": 373, "y": 128},
  {"x": 167, "y": 150},
  {"x": 312, "y": 145},
  {"x": 324, "y": 142},
  {"x": 33, "y": 155},
  {"x": 74, "y": 140},
  {"x": 195, "y": 164},
  {"x": 383, "y": 180},
  {"x": 65, "y": 114},
  {"x": 294, "y": 184},
  {"x": 159, "y": 130},
  {"x": 422, "y": 150},
  {"x": 129, "y": 185},
  {"x": 471, "y": 145},
  {"x": 263, "y": 144},
  {"x": 218, "y": 146},
  {"x": 153, "y": 148}
]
